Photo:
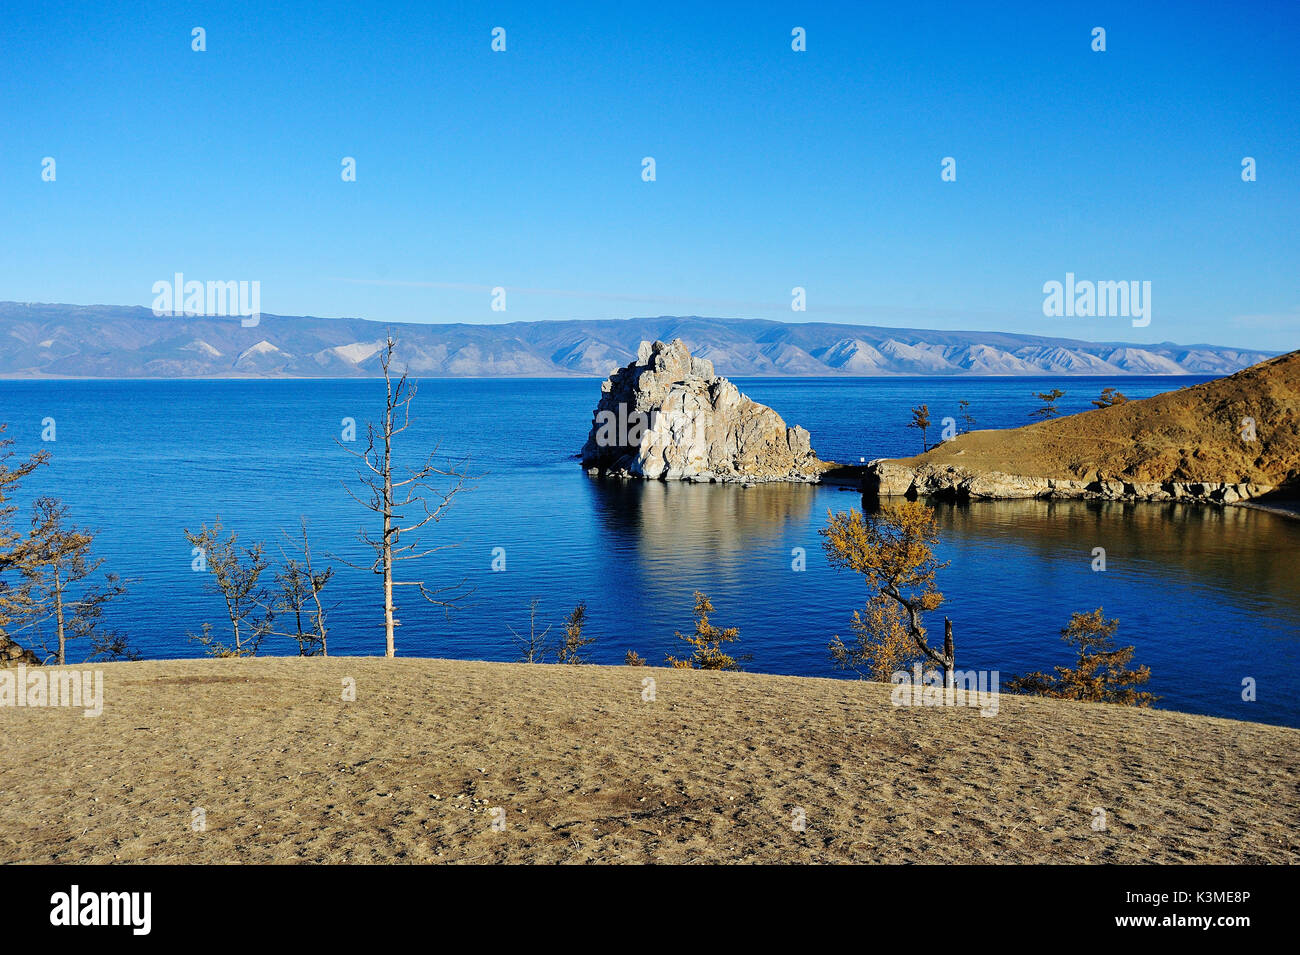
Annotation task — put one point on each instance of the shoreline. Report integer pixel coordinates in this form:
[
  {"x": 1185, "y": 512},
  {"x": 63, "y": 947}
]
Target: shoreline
[
  {"x": 1289, "y": 508},
  {"x": 886, "y": 478},
  {"x": 647, "y": 669}
]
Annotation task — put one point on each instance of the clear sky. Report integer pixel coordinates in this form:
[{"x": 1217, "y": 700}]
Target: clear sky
[{"x": 774, "y": 168}]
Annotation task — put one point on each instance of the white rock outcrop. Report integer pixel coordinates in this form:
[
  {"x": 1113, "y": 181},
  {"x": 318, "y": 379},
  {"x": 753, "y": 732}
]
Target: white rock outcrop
[{"x": 667, "y": 416}]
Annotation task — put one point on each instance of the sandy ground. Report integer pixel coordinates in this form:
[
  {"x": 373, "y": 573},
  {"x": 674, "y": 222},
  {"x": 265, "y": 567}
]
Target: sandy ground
[{"x": 715, "y": 769}]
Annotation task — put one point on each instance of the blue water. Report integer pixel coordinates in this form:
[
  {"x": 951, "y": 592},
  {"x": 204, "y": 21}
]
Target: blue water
[{"x": 1209, "y": 597}]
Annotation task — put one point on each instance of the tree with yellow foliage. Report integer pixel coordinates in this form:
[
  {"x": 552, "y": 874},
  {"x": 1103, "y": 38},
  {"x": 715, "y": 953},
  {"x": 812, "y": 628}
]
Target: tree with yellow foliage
[
  {"x": 707, "y": 641},
  {"x": 16, "y": 603},
  {"x": 881, "y": 644},
  {"x": 1100, "y": 675},
  {"x": 893, "y": 549}
]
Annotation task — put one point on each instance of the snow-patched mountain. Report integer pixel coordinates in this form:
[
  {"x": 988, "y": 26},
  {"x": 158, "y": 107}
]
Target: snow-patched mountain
[
  {"x": 1061, "y": 360},
  {"x": 262, "y": 357},
  {"x": 591, "y": 356},
  {"x": 1208, "y": 361},
  {"x": 202, "y": 348},
  {"x": 345, "y": 360},
  {"x": 39, "y": 340},
  {"x": 357, "y": 352},
  {"x": 853, "y": 356},
  {"x": 791, "y": 359},
  {"x": 917, "y": 359},
  {"x": 508, "y": 359},
  {"x": 987, "y": 360},
  {"x": 1140, "y": 361}
]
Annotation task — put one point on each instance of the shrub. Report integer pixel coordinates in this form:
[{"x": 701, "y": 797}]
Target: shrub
[{"x": 706, "y": 642}]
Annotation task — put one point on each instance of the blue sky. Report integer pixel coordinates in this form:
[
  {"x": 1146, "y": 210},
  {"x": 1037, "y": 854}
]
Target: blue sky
[{"x": 775, "y": 169}]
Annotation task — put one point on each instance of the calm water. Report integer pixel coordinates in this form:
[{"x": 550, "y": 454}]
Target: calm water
[{"x": 1208, "y": 597}]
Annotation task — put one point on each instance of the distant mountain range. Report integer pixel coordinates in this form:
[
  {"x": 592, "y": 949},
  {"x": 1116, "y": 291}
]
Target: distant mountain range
[{"x": 109, "y": 341}]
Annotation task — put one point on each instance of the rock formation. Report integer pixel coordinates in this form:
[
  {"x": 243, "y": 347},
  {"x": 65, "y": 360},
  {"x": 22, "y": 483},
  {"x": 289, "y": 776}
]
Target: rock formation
[
  {"x": 667, "y": 416},
  {"x": 11, "y": 654},
  {"x": 891, "y": 479}
]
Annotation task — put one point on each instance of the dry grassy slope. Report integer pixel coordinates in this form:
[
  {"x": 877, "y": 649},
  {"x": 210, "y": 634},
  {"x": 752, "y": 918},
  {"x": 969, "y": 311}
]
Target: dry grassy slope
[
  {"x": 712, "y": 770},
  {"x": 1192, "y": 434}
]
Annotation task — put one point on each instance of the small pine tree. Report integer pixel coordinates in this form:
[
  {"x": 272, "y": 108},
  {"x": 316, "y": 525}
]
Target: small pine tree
[
  {"x": 533, "y": 646},
  {"x": 56, "y": 566},
  {"x": 1049, "y": 399},
  {"x": 1109, "y": 396},
  {"x": 707, "y": 641},
  {"x": 236, "y": 577},
  {"x": 571, "y": 646},
  {"x": 16, "y": 605},
  {"x": 301, "y": 584},
  {"x": 921, "y": 421},
  {"x": 882, "y": 644},
  {"x": 893, "y": 549},
  {"x": 968, "y": 419}
]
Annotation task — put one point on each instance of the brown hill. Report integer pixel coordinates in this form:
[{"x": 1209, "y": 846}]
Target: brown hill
[{"x": 1236, "y": 434}]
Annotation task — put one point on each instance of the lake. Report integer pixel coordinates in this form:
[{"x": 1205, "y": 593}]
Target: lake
[{"x": 1209, "y": 597}]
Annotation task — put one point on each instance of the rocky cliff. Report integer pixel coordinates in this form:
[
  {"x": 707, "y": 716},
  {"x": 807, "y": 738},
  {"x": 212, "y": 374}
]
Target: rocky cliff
[
  {"x": 1221, "y": 442},
  {"x": 667, "y": 416}
]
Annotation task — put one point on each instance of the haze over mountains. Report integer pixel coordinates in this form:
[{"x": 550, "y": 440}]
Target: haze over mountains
[{"x": 109, "y": 341}]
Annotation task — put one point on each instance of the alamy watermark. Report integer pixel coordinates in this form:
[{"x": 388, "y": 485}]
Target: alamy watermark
[
  {"x": 920, "y": 687},
  {"x": 1087, "y": 299},
  {"x": 219, "y": 299},
  {"x": 622, "y": 428},
  {"x": 53, "y": 686},
  {"x": 128, "y": 909}
]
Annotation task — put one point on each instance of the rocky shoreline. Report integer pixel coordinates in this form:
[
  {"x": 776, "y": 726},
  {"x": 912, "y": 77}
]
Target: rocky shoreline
[
  {"x": 887, "y": 478},
  {"x": 12, "y": 654}
]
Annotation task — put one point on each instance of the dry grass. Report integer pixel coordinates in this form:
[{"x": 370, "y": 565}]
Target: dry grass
[
  {"x": 1189, "y": 434},
  {"x": 586, "y": 772}
]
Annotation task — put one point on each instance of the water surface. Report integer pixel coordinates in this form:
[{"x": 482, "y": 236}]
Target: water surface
[{"x": 1209, "y": 597}]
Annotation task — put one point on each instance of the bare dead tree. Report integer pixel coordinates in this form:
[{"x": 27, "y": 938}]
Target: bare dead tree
[
  {"x": 299, "y": 598},
  {"x": 533, "y": 646},
  {"x": 404, "y": 506}
]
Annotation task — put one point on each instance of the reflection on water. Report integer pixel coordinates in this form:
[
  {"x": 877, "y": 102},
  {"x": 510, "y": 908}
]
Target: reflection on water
[
  {"x": 704, "y": 522},
  {"x": 1244, "y": 555},
  {"x": 1207, "y": 596}
]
